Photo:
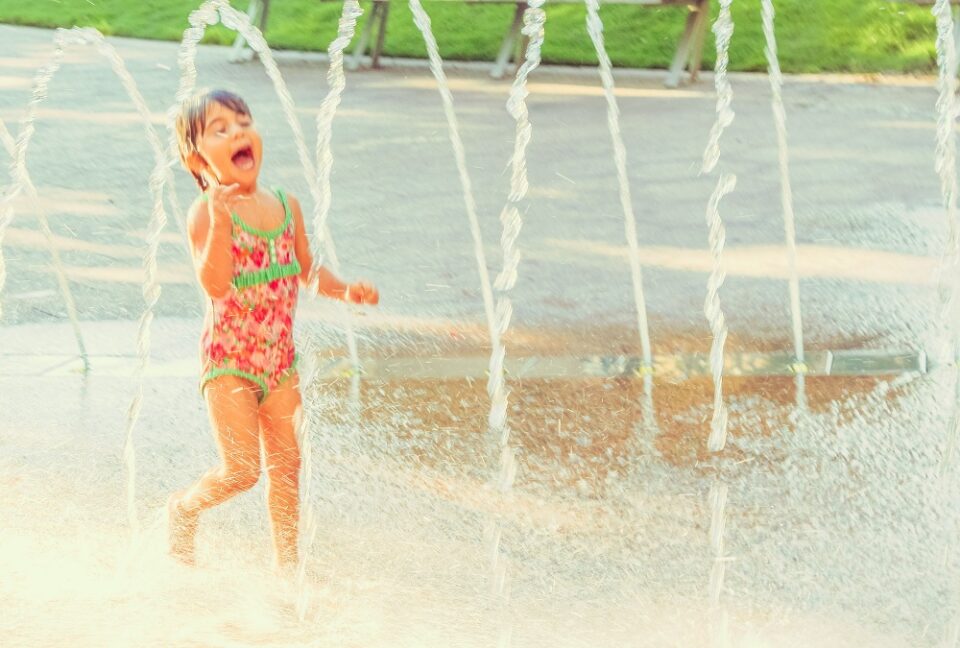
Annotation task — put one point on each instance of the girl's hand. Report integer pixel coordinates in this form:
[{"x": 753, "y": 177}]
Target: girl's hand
[
  {"x": 220, "y": 198},
  {"x": 361, "y": 293}
]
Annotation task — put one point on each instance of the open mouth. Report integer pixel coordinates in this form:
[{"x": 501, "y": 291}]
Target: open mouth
[{"x": 243, "y": 159}]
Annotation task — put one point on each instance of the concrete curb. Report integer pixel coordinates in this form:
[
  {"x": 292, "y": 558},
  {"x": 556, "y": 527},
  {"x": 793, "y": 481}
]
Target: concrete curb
[{"x": 676, "y": 367}]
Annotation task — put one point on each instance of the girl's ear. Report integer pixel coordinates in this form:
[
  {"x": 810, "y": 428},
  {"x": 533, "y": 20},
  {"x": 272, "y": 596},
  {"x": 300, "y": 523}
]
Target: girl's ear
[
  {"x": 200, "y": 168},
  {"x": 195, "y": 163}
]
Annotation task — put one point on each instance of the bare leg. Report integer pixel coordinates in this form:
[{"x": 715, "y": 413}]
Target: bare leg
[
  {"x": 232, "y": 405},
  {"x": 279, "y": 418}
]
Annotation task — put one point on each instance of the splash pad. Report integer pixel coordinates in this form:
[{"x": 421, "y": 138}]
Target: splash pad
[{"x": 587, "y": 493}]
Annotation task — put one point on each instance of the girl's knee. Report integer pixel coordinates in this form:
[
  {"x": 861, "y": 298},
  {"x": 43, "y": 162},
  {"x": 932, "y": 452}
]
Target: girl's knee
[{"x": 241, "y": 478}]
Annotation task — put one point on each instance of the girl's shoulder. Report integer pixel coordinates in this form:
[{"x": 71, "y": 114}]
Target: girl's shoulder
[
  {"x": 198, "y": 216},
  {"x": 287, "y": 198},
  {"x": 280, "y": 193},
  {"x": 288, "y": 202},
  {"x": 199, "y": 203}
]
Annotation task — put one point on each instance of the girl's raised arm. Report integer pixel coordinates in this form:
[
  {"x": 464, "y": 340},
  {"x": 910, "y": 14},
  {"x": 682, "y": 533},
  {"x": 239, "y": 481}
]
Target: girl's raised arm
[
  {"x": 328, "y": 284},
  {"x": 209, "y": 226}
]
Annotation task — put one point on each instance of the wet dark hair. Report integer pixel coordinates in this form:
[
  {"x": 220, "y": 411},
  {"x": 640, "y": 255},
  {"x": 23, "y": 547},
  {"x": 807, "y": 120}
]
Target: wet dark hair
[{"x": 192, "y": 119}]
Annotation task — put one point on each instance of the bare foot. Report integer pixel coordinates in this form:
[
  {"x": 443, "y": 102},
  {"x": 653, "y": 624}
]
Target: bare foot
[
  {"x": 285, "y": 564},
  {"x": 182, "y": 529}
]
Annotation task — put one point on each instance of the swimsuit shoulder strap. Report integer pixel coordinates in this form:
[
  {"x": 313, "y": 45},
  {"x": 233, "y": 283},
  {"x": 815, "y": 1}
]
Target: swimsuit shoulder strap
[{"x": 287, "y": 214}]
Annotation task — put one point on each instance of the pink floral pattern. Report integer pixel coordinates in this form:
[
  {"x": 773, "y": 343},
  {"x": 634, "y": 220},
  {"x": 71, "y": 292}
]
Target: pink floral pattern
[{"x": 250, "y": 331}]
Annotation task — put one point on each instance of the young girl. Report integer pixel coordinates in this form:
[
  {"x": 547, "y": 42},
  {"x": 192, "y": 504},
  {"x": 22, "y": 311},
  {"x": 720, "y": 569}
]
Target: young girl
[{"x": 250, "y": 249}]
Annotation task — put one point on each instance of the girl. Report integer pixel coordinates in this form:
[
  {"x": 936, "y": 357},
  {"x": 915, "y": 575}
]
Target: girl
[{"x": 251, "y": 254}]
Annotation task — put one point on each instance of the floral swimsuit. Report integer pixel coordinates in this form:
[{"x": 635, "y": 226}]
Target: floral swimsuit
[{"x": 249, "y": 332}]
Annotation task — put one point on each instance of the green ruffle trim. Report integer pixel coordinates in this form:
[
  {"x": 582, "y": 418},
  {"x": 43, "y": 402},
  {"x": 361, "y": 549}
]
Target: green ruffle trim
[
  {"x": 276, "y": 231},
  {"x": 272, "y": 273},
  {"x": 230, "y": 371},
  {"x": 256, "y": 380},
  {"x": 267, "y": 234}
]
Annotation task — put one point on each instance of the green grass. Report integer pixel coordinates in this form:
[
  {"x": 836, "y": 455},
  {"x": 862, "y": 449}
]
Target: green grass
[{"x": 812, "y": 35}]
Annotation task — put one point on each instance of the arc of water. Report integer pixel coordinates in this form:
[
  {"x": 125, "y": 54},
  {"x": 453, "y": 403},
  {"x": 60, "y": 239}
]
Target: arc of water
[
  {"x": 158, "y": 219},
  {"x": 7, "y": 139},
  {"x": 185, "y": 58},
  {"x": 6, "y": 215},
  {"x": 336, "y": 81},
  {"x": 786, "y": 194},
  {"x": 723, "y": 29},
  {"x": 719, "y": 635},
  {"x": 595, "y": 29},
  {"x": 151, "y": 286},
  {"x": 302, "y": 426},
  {"x": 324, "y": 161},
  {"x": 180, "y": 219},
  {"x": 422, "y": 21},
  {"x": 533, "y": 18},
  {"x": 23, "y": 183},
  {"x": 948, "y": 109},
  {"x": 497, "y": 318},
  {"x": 209, "y": 13},
  {"x": 946, "y": 165},
  {"x": 714, "y": 312}
]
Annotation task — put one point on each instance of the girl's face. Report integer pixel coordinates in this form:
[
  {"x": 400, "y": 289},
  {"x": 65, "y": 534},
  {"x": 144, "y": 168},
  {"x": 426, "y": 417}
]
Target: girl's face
[{"x": 230, "y": 148}]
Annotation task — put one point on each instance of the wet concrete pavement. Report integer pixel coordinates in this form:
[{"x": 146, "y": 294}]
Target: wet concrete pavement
[{"x": 836, "y": 527}]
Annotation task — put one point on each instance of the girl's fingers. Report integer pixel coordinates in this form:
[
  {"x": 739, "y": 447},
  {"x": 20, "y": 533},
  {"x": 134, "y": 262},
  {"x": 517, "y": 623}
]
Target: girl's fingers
[
  {"x": 224, "y": 194},
  {"x": 356, "y": 293},
  {"x": 364, "y": 293},
  {"x": 228, "y": 191}
]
